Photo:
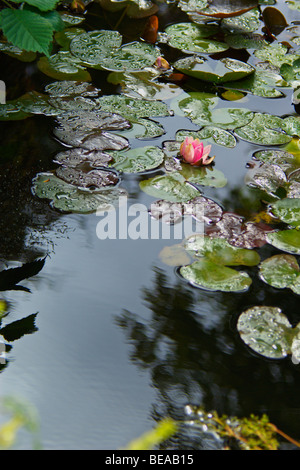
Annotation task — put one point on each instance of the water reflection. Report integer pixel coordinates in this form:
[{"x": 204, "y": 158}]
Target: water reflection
[{"x": 191, "y": 347}]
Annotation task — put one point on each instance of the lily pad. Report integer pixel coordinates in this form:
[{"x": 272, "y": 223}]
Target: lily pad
[
  {"x": 93, "y": 47},
  {"x": 68, "y": 198},
  {"x": 219, "y": 251},
  {"x": 130, "y": 57},
  {"x": 135, "y": 110},
  {"x": 287, "y": 210},
  {"x": 64, "y": 66},
  {"x": 264, "y": 129},
  {"x": 248, "y": 22},
  {"x": 200, "y": 208},
  {"x": 71, "y": 89},
  {"x": 281, "y": 271},
  {"x": 203, "y": 176},
  {"x": 211, "y": 134},
  {"x": 192, "y": 38},
  {"x": 218, "y": 71},
  {"x": 261, "y": 83},
  {"x": 209, "y": 276},
  {"x": 287, "y": 161},
  {"x": 266, "y": 177},
  {"x": 137, "y": 160},
  {"x": 250, "y": 41},
  {"x": 78, "y": 157},
  {"x": 133, "y": 8},
  {"x": 16, "y": 52},
  {"x": 277, "y": 54},
  {"x": 172, "y": 187},
  {"x": 268, "y": 332},
  {"x": 198, "y": 107},
  {"x": 227, "y": 9},
  {"x": 285, "y": 240},
  {"x": 94, "y": 179}
]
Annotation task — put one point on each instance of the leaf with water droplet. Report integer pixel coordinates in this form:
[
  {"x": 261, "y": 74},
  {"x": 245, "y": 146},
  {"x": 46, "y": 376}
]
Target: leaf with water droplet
[
  {"x": 287, "y": 210},
  {"x": 281, "y": 271},
  {"x": 137, "y": 160},
  {"x": 285, "y": 240}
]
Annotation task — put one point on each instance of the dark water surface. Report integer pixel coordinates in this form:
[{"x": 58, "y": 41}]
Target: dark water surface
[{"x": 120, "y": 340}]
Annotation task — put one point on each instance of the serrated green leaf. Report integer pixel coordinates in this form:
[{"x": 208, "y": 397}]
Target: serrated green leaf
[{"x": 27, "y": 30}]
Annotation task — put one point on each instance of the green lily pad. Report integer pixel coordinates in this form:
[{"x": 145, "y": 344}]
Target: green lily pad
[
  {"x": 210, "y": 134},
  {"x": 218, "y": 71},
  {"x": 64, "y": 38},
  {"x": 276, "y": 54},
  {"x": 220, "y": 252},
  {"x": 285, "y": 240},
  {"x": 135, "y": 110},
  {"x": 261, "y": 83},
  {"x": 281, "y": 271},
  {"x": 71, "y": 89},
  {"x": 291, "y": 72},
  {"x": 266, "y": 177},
  {"x": 64, "y": 66},
  {"x": 91, "y": 179},
  {"x": 268, "y": 332},
  {"x": 264, "y": 129},
  {"x": 132, "y": 8},
  {"x": 191, "y": 38},
  {"x": 287, "y": 161},
  {"x": 287, "y": 210},
  {"x": 130, "y": 57},
  {"x": 93, "y": 47},
  {"x": 245, "y": 41},
  {"x": 78, "y": 157},
  {"x": 68, "y": 198},
  {"x": 203, "y": 176},
  {"x": 172, "y": 187},
  {"x": 225, "y": 9},
  {"x": 17, "y": 53},
  {"x": 248, "y": 22},
  {"x": 137, "y": 160},
  {"x": 198, "y": 107},
  {"x": 210, "y": 276}
]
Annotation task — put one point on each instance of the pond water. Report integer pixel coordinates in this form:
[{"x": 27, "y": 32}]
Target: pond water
[{"x": 116, "y": 339}]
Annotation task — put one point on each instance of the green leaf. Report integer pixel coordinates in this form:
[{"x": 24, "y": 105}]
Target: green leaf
[
  {"x": 43, "y": 5},
  {"x": 172, "y": 187},
  {"x": 287, "y": 210},
  {"x": 285, "y": 240},
  {"x": 137, "y": 160},
  {"x": 264, "y": 129},
  {"x": 27, "y": 30},
  {"x": 220, "y": 252},
  {"x": 210, "y": 276},
  {"x": 281, "y": 271},
  {"x": 268, "y": 332},
  {"x": 203, "y": 176},
  {"x": 68, "y": 198},
  {"x": 217, "y": 71},
  {"x": 92, "y": 47},
  {"x": 63, "y": 66}
]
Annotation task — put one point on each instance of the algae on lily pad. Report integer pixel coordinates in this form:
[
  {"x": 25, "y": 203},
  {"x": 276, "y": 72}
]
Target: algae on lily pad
[
  {"x": 137, "y": 160},
  {"x": 268, "y": 332},
  {"x": 217, "y": 71},
  {"x": 68, "y": 198},
  {"x": 281, "y": 271},
  {"x": 285, "y": 240}
]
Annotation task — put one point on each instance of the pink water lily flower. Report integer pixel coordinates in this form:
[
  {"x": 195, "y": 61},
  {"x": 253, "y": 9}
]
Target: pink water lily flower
[{"x": 194, "y": 152}]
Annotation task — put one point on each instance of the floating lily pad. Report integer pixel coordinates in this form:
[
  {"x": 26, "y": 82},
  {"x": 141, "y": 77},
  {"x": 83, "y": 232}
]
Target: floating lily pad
[
  {"x": 276, "y": 54},
  {"x": 211, "y": 134},
  {"x": 238, "y": 233},
  {"x": 12, "y": 112},
  {"x": 64, "y": 38},
  {"x": 191, "y": 38},
  {"x": 245, "y": 41},
  {"x": 266, "y": 177},
  {"x": 68, "y": 198},
  {"x": 135, "y": 110},
  {"x": 133, "y": 8},
  {"x": 287, "y": 210},
  {"x": 200, "y": 208},
  {"x": 198, "y": 107},
  {"x": 137, "y": 160},
  {"x": 285, "y": 240},
  {"x": 209, "y": 276},
  {"x": 93, "y": 47},
  {"x": 248, "y": 22},
  {"x": 172, "y": 187},
  {"x": 227, "y": 9},
  {"x": 77, "y": 157},
  {"x": 264, "y": 129},
  {"x": 174, "y": 256},
  {"x": 203, "y": 176},
  {"x": 281, "y": 271},
  {"x": 71, "y": 89},
  {"x": 16, "y": 52},
  {"x": 88, "y": 130},
  {"x": 130, "y": 57},
  {"x": 261, "y": 83},
  {"x": 287, "y": 161},
  {"x": 220, "y": 251},
  {"x": 268, "y": 332},
  {"x": 94, "y": 179},
  {"x": 218, "y": 71},
  {"x": 274, "y": 20},
  {"x": 64, "y": 66}
]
